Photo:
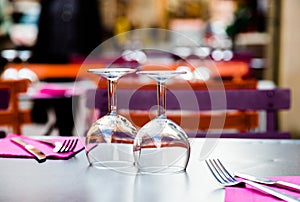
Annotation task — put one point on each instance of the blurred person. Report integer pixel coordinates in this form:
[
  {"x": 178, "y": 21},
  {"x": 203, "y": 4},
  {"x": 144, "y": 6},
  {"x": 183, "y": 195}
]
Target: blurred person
[
  {"x": 242, "y": 19},
  {"x": 5, "y": 24},
  {"x": 66, "y": 29},
  {"x": 25, "y": 16}
]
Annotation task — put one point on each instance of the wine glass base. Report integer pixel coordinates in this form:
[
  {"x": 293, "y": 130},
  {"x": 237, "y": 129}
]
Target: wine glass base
[
  {"x": 112, "y": 156},
  {"x": 113, "y": 165},
  {"x": 126, "y": 167},
  {"x": 160, "y": 170}
]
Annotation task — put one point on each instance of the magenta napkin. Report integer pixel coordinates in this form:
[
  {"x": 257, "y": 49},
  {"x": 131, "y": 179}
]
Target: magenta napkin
[
  {"x": 10, "y": 149},
  {"x": 249, "y": 194},
  {"x": 53, "y": 90}
]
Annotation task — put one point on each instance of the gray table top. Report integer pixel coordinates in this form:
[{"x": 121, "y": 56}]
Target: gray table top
[{"x": 73, "y": 180}]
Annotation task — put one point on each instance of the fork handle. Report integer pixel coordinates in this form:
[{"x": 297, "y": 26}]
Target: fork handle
[
  {"x": 273, "y": 192},
  {"x": 288, "y": 185}
]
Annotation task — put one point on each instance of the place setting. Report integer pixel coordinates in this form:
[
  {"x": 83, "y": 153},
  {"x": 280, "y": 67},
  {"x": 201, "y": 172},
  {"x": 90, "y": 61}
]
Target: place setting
[
  {"x": 245, "y": 187},
  {"x": 39, "y": 148}
]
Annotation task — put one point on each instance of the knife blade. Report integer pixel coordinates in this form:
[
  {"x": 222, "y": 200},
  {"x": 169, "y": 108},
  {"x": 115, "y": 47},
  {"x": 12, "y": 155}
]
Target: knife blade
[
  {"x": 38, "y": 154},
  {"x": 279, "y": 183}
]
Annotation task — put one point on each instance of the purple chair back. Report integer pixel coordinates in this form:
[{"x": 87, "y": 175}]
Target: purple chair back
[
  {"x": 270, "y": 101},
  {"x": 4, "y": 98}
]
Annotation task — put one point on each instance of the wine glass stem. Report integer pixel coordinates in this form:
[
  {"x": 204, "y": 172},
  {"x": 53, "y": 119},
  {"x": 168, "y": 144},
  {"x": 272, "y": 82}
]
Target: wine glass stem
[
  {"x": 161, "y": 98},
  {"x": 112, "y": 97}
]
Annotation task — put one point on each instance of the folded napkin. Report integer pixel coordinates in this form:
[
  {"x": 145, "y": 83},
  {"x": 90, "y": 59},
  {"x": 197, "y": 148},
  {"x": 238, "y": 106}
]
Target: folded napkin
[
  {"x": 11, "y": 149},
  {"x": 249, "y": 194},
  {"x": 53, "y": 90}
]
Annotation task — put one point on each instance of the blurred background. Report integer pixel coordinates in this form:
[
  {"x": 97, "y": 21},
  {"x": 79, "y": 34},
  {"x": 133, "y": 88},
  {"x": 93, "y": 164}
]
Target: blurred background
[{"x": 264, "y": 33}]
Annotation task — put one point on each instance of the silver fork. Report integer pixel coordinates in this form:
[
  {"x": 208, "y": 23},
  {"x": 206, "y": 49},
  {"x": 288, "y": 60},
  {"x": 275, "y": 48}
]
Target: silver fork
[
  {"x": 224, "y": 177},
  {"x": 67, "y": 145}
]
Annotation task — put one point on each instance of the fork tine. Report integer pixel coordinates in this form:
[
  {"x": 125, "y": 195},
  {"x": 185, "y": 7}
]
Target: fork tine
[
  {"x": 225, "y": 171},
  {"x": 64, "y": 146},
  {"x": 222, "y": 175},
  {"x": 220, "y": 171},
  {"x": 68, "y": 145},
  {"x": 72, "y": 145},
  {"x": 215, "y": 171}
]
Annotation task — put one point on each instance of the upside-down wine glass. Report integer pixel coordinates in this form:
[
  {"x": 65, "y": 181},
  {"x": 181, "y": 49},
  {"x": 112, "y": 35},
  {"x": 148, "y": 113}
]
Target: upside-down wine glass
[
  {"x": 110, "y": 139},
  {"x": 161, "y": 146},
  {"x": 10, "y": 72}
]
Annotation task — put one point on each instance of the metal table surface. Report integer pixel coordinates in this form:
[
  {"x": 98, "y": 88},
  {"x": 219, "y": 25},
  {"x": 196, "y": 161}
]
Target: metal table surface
[{"x": 73, "y": 180}]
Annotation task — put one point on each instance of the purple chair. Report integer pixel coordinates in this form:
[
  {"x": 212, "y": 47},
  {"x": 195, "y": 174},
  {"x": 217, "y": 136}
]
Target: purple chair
[
  {"x": 267, "y": 102},
  {"x": 4, "y": 99},
  {"x": 4, "y": 103}
]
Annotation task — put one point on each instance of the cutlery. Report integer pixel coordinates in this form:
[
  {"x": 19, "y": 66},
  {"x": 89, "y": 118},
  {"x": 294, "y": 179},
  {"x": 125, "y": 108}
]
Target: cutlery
[
  {"x": 38, "y": 154},
  {"x": 61, "y": 147},
  {"x": 223, "y": 176},
  {"x": 279, "y": 183}
]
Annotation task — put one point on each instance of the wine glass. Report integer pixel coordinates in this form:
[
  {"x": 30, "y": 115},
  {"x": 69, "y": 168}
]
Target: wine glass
[
  {"x": 10, "y": 55},
  {"x": 25, "y": 72},
  {"x": 110, "y": 139},
  {"x": 24, "y": 55},
  {"x": 161, "y": 146}
]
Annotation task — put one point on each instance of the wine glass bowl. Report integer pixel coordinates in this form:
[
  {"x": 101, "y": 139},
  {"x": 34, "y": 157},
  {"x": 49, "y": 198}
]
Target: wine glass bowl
[
  {"x": 10, "y": 72},
  {"x": 24, "y": 55},
  {"x": 110, "y": 139},
  {"x": 9, "y": 54},
  {"x": 161, "y": 146}
]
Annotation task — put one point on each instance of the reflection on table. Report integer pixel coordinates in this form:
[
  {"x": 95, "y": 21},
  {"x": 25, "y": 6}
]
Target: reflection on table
[{"x": 73, "y": 180}]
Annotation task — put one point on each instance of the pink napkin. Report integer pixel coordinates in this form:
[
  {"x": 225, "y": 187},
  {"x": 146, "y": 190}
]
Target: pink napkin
[
  {"x": 53, "y": 90},
  {"x": 249, "y": 194},
  {"x": 11, "y": 149}
]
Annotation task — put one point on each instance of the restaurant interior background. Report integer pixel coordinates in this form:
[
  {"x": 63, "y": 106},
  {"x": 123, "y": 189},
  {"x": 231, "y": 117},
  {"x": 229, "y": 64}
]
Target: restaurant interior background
[{"x": 265, "y": 30}]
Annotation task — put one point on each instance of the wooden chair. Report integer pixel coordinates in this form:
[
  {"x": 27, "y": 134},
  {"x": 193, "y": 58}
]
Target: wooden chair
[
  {"x": 214, "y": 113},
  {"x": 10, "y": 112}
]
